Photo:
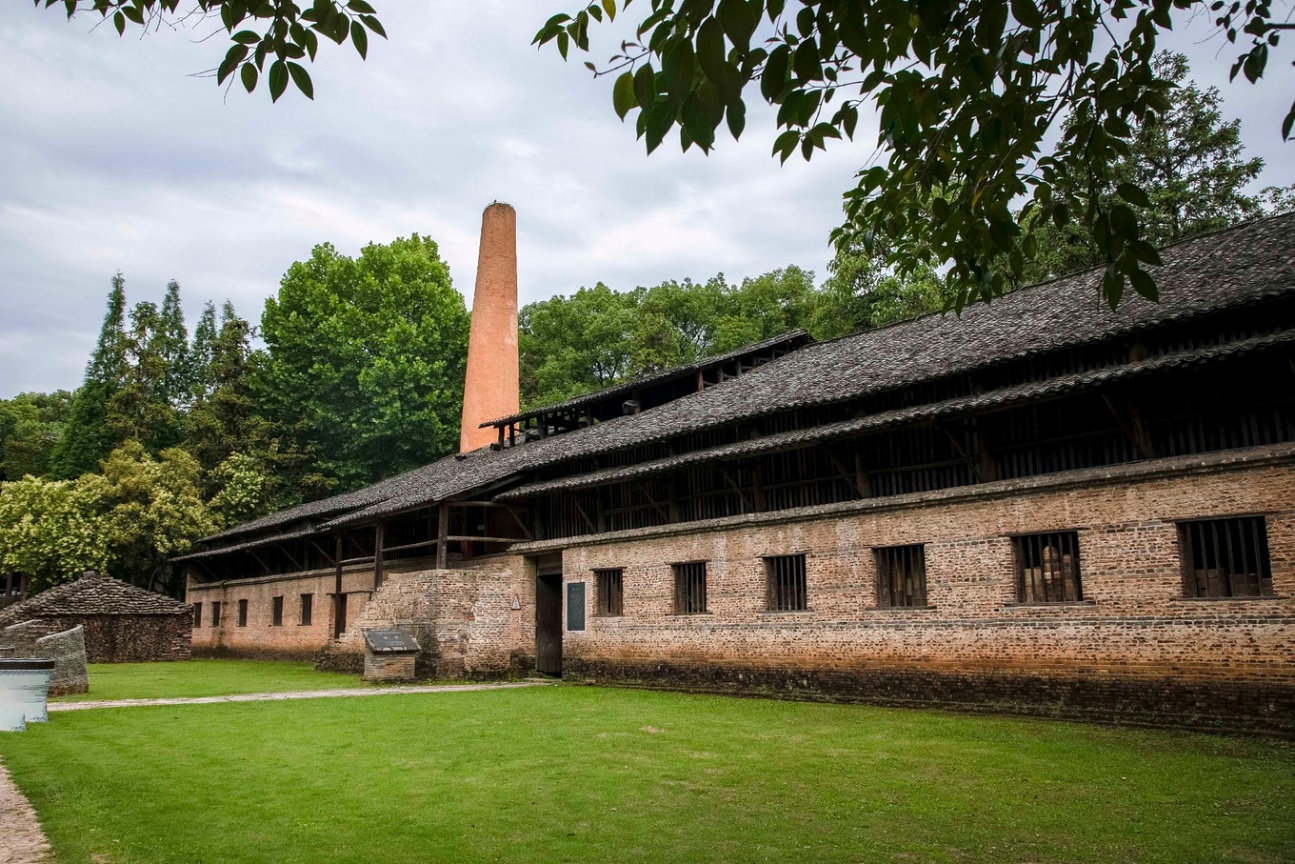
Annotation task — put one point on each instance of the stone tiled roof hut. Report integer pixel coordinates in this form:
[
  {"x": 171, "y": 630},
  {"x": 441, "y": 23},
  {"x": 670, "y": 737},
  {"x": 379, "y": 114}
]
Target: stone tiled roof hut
[{"x": 123, "y": 623}]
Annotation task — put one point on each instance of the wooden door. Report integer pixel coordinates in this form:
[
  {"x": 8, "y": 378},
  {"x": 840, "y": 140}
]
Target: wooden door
[{"x": 548, "y": 624}]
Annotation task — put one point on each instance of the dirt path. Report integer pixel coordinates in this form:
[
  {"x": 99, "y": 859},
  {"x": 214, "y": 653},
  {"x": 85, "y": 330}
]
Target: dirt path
[
  {"x": 21, "y": 839},
  {"x": 297, "y": 694}
]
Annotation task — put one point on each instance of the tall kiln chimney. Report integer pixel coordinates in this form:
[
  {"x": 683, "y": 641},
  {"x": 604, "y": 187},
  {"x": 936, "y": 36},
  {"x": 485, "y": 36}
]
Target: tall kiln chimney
[{"x": 490, "y": 389}]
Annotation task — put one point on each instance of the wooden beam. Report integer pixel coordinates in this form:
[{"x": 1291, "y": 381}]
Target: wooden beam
[
  {"x": 339, "y": 599},
  {"x": 442, "y": 529},
  {"x": 379, "y": 540},
  {"x": 592, "y": 526},
  {"x": 512, "y": 511},
  {"x": 862, "y": 482},
  {"x": 1131, "y": 423},
  {"x": 665, "y": 514},
  {"x": 757, "y": 486},
  {"x": 741, "y": 495}
]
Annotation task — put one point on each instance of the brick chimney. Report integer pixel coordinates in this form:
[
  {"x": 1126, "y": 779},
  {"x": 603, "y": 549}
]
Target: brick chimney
[{"x": 490, "y": 389}]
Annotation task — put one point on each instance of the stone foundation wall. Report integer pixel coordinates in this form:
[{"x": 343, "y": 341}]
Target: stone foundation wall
[
  {"x": 42, "y": 638},
  {"x": 463, "y": 620},
  {"x": 1134, "y": 649},
  {"x": 125, "y": 638},
  {"x": 389, "y": 667}
]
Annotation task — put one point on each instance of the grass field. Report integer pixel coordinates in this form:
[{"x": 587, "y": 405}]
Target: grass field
[
  {"x": 205, "y": 678},
  {"x": 589, "y": 774}
]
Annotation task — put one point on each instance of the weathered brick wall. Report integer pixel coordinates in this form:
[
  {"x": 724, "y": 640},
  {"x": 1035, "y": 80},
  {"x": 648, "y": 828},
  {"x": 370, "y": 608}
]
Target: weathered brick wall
[
  {"x": 1134, "y": 650},
  {"x": 126, "y": 638},
  {"x": 261, "y": 638},
  {"x": 463, "y": 619},
  {"x": 389, "y": 667}
]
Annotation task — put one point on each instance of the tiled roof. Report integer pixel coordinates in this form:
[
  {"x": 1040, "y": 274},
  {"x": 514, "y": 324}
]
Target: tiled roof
[
  {"x": 1245, "y": 265},
  {"x": 93, "y": 594}
]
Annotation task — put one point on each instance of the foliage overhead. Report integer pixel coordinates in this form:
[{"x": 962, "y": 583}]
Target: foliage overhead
[
  {"x": 365, "y": 359},
  {"x": 981, "y": 103}
]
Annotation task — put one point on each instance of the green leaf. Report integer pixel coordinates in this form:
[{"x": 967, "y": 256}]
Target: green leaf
[
  {"x": 247, "y": 37},
  {"x": 301, "y": 78},
  {"x": 1133, "y": 194},
  {"x": 710, "y": 49},
  {"x": 361, "y": 7},
  {"x": 119, "y": 21},
  {"x": 1027, "y": 13},
  {"x": 1144, "y": 284},
  {"x": 645, "y": 86},
  {"x": 278, "y": 79},
  {"x": 774, "y": 78},
  {"x": 660, "y": 119},
  {"x": 373, "y": 24},
  {"x": 623, "y": 94},
  {"x": 360, "y": 39},
  {"x": 736, "y": 118},
  {"x": 249, "y": 74},
  {"x": 609, "y": 6},
  {"x": 736, "y": 18},
  {"x": 807, "y": 63},
  {"x": 227, "y": 66},
  {"x": 785, "y": 144}
]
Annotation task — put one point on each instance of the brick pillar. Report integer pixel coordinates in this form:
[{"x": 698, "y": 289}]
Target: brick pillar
[{"x": 491, "y": 388}]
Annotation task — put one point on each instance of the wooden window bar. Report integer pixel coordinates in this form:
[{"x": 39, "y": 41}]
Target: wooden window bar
[
  {"x": 611, "y": 591},
  {"x": 689, "y": 588},
  {"x": 1226, "y": 558},
  {"x": 901, "y": 577},
  {"x": 786, "y": 590},
  {"x": 1047, "y": 567}
]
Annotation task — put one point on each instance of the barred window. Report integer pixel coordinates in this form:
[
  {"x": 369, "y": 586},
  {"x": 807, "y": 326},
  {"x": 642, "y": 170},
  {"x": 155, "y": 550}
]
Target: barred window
[
  {"x": 1047, "y": 567},
  {"x": 215, "y": 613},
  {"x": 611, "y": 591},
  {"x": 276, "y": 612},
  {"x": 242, "y": 613},
  {"x": 689, "y": 588},
  {"x": 307, "y": 608},
  {"x": 197, "y": 615},
  {"x": 901, "y": 576},
  {"x": 1226, "y": 558},
  {"x": 785, "y": 589}
]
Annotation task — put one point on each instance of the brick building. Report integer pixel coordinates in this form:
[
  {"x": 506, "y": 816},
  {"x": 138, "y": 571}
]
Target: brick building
[
  {"x": 1041, "y": 506},
  {"x": 122, "y": 623}
]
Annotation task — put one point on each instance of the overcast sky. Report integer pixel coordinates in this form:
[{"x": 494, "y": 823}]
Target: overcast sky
[{"x": 113, "y": 158}]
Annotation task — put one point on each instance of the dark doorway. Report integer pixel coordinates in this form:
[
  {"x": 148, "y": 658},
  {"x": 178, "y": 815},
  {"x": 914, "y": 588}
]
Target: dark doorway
[
  {"x": 548, "y": 624},
  {"x": 339, "y": 619}
]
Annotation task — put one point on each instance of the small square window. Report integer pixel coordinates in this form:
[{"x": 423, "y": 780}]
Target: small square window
[
  {"x": 901, "y": 577},
  {"x": 215, "y": 613},
  {"x": 242, "y": 613},
  {"x": 1047, "y": 567},
  {"x": 307, "y": 608},
  {"x": 276, "y": 612},
  {"x": 785, "y": 589},
  {"x": 689, "y": 588},
  {"x": 1226, "y": 558},
  {"x": 197, "y": 615},
  {"x": 611, "y": 591}
]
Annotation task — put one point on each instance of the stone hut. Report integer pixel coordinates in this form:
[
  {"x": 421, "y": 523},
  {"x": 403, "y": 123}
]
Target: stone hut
[{"x": 122, "y": 623}]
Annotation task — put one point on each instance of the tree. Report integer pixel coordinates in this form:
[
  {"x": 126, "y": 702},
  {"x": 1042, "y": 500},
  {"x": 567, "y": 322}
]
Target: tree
[
  {"x": 200, "y": 352},
  {"x": 1188, "y": 161},
  {"x": 981, "y": 103},
  {"x": 88, "y": 437},
  {"x": 573, "y": 345},
  {"x": 862, "y": 294},
  {"x": 52, "y": 530},
  {"x": 152, "y": 510},
  {"x": 31, "y": 427},
  {"x": 365, "y": 359},
  {"x": 173, "y": 350}
]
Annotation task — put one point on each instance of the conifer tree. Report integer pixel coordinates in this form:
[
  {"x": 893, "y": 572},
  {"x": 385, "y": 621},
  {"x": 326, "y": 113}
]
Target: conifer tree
[
  {"x": 141, "y": 409},
  {"x": 89, "y": 437},
  {"x": 173, "y": 348},
  {"x": 200, "y": 353}
]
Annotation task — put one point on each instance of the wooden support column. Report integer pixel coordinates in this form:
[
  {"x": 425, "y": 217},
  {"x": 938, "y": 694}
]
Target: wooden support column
[
  {"x": 339, "y": 599},
  {"x": 862, "y": 484},
  {"x": 8, "y": 585},
  {"x": 757, "y": 486},
  {"x": 379, "y": 541},
  {"x": 672, "y": 499},
  {"x": 23, "y": 584},
  {"x": 442, "y": 531},
  {"x": 988, "y": 462}
]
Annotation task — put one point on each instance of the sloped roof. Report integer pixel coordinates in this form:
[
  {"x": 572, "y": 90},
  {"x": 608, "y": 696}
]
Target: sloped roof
[
  {"x": 93, "y": 594},
  {"x": 1245, "y": 265},
  {"x": 792, "y": 339}
]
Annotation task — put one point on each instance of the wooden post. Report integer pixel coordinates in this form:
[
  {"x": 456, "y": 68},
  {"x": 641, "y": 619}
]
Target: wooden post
[
  {"x": 861, "y": 481},
  {"x": 339, "y": 599},
  {"x": 379, "y": 538},
  {"x": 757, "y": 485},
  {"x": 23, "y": 584},
  {"x": 442, "y": 529}
]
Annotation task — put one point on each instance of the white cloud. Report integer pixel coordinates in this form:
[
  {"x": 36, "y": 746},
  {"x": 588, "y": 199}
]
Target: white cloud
[{"x": 111, "y": 157}]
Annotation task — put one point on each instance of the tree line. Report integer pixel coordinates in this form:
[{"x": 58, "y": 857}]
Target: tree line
[{"x": 355, "y": 370}]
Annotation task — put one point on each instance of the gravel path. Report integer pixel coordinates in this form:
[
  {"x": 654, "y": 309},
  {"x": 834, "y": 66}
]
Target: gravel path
[
  {"x": 297, "y": 694},
  {"x": 21, "y": 840}
]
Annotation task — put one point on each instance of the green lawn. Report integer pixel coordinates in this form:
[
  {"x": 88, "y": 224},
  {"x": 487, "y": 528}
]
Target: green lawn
[
  {"x": 590, "y": 774},
  {"x": 205, "y": 678}
]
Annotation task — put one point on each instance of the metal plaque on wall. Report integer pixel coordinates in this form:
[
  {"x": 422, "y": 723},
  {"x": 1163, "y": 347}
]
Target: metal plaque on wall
[{"x": 576, "y": 606}]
